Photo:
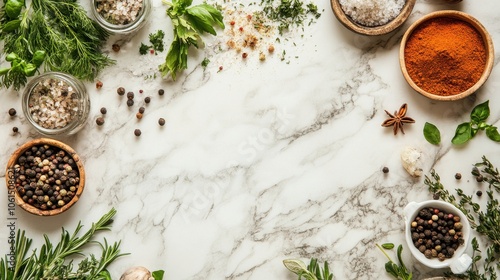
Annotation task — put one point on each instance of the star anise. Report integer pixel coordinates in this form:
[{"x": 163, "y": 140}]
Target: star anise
[{"x": 398, "y": 119}]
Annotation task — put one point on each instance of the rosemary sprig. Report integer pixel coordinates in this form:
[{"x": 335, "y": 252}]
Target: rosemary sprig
[
  {"x": 312, "y": 272},
  {"x": 484, "y": 222},
  {"x": 52, "y": 260}
]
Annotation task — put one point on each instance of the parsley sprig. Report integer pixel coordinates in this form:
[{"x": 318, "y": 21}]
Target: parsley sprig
[
  {"x": 52, "y": 260},
  {"x": 61, "y": 29},
  {"x": 189, "y": 23}
]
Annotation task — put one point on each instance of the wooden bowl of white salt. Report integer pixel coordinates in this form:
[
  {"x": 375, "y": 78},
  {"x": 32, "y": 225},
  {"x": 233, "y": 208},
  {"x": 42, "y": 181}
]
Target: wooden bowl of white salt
[{"x": 372, "y": 17}]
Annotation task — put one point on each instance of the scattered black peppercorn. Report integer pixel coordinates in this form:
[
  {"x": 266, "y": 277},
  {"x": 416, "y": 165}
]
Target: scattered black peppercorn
[
  {"x": 12, "y": 112},
  {"x": 104, "y": 110},
  {"x": 115, "y": 47},
  {"x": 121, "y": 91},
  {"x": 458, "y": 176},
  {"x": 138, "y": 115},
  {"x": 130, "y": 95},
  {"x": 99, "y": 121},
  {"x": 479, "y": 178},
  {"x": 141, "y": 110},
  {"x": 161, "y": 121},
  {"x": 137, "y": 132},
  {"x": 147, "y": 99},
  {"x": 479, "y": 193},
  {"x": 130, "y": 102},
  {"x": 15, "y": 129},
  {"x": 385, "y": 169},
  {"x": 161, "y": 92}
]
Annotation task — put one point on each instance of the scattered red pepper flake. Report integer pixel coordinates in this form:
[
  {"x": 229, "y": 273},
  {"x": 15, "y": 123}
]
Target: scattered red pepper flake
[
  {"x": 244, "y": 55},
  {"x": 98, "y": 85}
]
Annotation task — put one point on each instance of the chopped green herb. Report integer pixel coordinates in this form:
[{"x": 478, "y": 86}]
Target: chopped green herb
[
  {"x": 156, "y": 40},
  {"x": 205, "y": 62},
  {"x": 143, "y": 49}
]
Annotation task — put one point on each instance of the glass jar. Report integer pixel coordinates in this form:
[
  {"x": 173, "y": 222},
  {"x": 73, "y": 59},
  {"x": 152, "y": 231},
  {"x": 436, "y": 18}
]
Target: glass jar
[
  {"x": 56, "y": 103},
  {"x": 130, "y": 20}
]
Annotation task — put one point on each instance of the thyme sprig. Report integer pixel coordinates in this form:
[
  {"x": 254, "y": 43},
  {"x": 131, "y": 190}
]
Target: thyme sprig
[
  {"x": 485, "y": 223},
  {"x": 51, "y": 261}
]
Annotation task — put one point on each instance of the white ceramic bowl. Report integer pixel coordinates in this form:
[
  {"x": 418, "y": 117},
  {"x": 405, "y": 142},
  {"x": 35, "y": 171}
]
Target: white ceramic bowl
[{"x": 460, "y": 260}]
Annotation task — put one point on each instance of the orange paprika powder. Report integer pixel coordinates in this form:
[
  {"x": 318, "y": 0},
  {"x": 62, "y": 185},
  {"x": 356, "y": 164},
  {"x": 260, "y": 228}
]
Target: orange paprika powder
[{"x": 445, "y": 56}]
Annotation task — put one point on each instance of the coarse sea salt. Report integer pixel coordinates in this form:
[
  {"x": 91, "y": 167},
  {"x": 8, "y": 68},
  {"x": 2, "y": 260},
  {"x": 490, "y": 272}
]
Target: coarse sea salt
[{"x": 372, "y": 12}]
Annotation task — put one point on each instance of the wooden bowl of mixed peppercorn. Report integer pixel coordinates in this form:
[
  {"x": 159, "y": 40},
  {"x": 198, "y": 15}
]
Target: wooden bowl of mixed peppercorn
[
  {"x": 372, "y": 17},
  {"x": 45, "y": 176}
]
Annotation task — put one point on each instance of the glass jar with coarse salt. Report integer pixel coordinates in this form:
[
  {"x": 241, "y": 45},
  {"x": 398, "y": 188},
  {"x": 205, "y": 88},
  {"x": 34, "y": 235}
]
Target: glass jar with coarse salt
[
  {"x": 56, "y": 104},
  {"x": 121, "y": 17}
]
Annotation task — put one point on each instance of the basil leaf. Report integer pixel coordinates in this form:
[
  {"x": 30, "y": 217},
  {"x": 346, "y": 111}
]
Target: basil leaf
[
  {"x": 492, "y": 133},
  {"x": 158, "y": 274},
  {"x": 462, "y": 134},
  {"x": 11, "y": 25},
  {"x": 4, "y": 71},
  {"x": 38, "y": 58},
  {"x": 216, "y": 14},
  {"x": 432, "y": 133},
  {"x": 13, "y": 8},
  {"x": 480, "y": 113},
  {"x": 29, "y": 69},
  {"x": 391, "y": 268},
  {"x": 200, "y": 19},
  {"x": 11, "y": 57}
]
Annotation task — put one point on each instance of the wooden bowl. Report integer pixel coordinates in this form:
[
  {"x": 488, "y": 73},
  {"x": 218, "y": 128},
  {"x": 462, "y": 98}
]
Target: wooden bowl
[
  {"x": 490, "y": 55},
  {"x": 372, "y": 30},
  {"x": 11, "y": 175}
]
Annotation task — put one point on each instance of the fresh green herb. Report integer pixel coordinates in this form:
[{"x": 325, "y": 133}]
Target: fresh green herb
[
  {"x": 484, "y": 222},
  {"x": 289, "y": 12},
  {"x": 51, "y": 261},
  {"x": 468, "y": 130},
  {"x": 156, "y": 40},
  {"x": 312, "y": 272},
  {"x": 189, "y": 23},
  {"x": 432, "y": 134},
  {"x": 20, "y": 68},
  {"x": 205, "y": 62},
  {"x": 388, "y": 246},
  {"x": 70, "y": 39},
  {"x": 399, "y": 271},
  {"x": 158, "y": 274},
  {"x": 143, "y": 49}
]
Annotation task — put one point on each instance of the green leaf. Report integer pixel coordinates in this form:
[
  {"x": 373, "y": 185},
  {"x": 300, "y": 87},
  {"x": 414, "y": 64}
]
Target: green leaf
[
  {"x": 216, "y": 14},
  {"x": 38, "y": 58},
  {"x": 158, "y": 274},
  {"x": 432, "y": 133},
  {"x": 463, "y": 134},
  {"x": 480, "y": 113},
  {"x": 388, "y": 246},
  {"x": 143, "y": 49},
  {"x": 200, "y": 19},
  {"x": 13, "y": 8},
  {"x": 492, "y": 133},
  {"x": 29, "y": 69},
  {"x": 11, "y": 25},
  {"x": 295, "y": 266}
]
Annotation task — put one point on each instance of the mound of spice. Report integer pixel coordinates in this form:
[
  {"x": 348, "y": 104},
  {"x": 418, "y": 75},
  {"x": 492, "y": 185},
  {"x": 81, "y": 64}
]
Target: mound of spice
[
  {"x": 445, "y": 56},
  {"x": 53, "y": 104},
  {"x": 436, "y": 233},
  {"x": 119, "y": 12},
  {"x": 47, "y": 177},
  {"x": 372, "y": 12}
]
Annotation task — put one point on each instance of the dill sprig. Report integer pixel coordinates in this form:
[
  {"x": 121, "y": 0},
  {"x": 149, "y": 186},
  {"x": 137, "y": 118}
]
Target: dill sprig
[
  {"x": 485, "y": 223},
  {"x": 61, "y": 28},
  {"x": 51, "y": 261}
]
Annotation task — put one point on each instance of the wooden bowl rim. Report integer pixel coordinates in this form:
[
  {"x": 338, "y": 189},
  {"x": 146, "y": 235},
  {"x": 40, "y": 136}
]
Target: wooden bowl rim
[
  {"x": 52, "y": 142},
  {"x": 488, "y": 42},
  {"x": 372, "y": 30}
]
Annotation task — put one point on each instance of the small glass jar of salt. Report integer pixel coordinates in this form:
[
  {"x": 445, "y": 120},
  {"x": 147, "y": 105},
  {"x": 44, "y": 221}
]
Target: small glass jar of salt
[
  {"x": 121, "y": 17},
  {"x": 56, "y": 104}
]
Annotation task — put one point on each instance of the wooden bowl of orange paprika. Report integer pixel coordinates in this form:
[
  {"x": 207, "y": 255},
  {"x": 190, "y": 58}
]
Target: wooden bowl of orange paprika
[{"x": 446, "y": 55}]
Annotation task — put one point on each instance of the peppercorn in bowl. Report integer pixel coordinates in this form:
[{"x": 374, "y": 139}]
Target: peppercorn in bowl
[
  {"x": 446, "y": 55},
  {"x": 45, "y": 176},
  {"x": 437, "y": 234},
  {"x": 372, "y": 17}
]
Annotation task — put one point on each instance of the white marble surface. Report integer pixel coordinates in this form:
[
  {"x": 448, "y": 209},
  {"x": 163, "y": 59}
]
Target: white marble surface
[{"x": 261, "y": 161}]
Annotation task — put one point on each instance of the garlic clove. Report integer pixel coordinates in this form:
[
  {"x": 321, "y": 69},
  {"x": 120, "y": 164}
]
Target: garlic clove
[{"x": 137, "y": 273}]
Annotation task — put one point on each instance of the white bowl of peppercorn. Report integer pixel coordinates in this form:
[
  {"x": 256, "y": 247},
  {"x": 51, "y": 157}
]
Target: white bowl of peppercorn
[
  {"x": 45, "y": 176},
  {"x": 437, "y": 234}
]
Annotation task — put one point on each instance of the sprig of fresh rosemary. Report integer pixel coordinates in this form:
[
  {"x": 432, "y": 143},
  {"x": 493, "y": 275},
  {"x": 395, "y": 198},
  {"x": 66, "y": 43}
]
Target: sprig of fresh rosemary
[
  {"x": 486, "y": 223},
  {"x": 312, "y": 272},
  {"x": 51, "y": 261},
  {"x": 60, "y": 28},
  {"x": 189, "y": 23},
  {"x": 399, "y": 271}
]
